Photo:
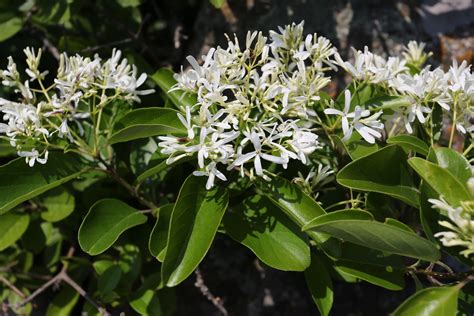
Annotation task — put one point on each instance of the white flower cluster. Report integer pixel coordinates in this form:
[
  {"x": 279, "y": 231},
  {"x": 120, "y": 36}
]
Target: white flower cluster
[
  {"x": 461, "y": 225},
  {"x": 82, "y": 87},
  {"x": 367, "y": 125},
  {"x": 452, "y": 90},
  {"x": 253, "y": 103}
]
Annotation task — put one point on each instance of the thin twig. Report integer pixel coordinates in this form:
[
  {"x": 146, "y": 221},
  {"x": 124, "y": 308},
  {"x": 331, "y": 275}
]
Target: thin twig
[
  {"x": 52, "y": 49},
  {"x": 12, "y": 287},
  {"x": 216, "y": 301},
  {"x": 133, "y": 191},
  {"x": 62, "y": 276}
]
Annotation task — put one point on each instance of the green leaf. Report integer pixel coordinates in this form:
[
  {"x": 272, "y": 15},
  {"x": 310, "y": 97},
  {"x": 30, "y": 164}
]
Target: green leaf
[
  {"x": 410, "y": 142},
  {"x": 196, "y": 216},
  {"x": 388, "y": 102},
  {"x": 12, "y": 226},
  {"x": 26, "y": 182},
  {"x": 378, "y": 275},
  {"x": 433, "y": 301},
  {"x": 159, "y": 233},
  {"x": 159, "y": 167},
  {"x": 376, "y": 235},
  {"x": 164, "y": 79},
  {"x": 356, "y": 147},
  {"x": 384, "y": 171},
  {"x": 217, "y": 3},
  {"x": 104, "y": 223},
  {"x": 146, "y": 122},
  {"x": 271, "y": 235},
  {"x": 453, "y": 162},
  {"x": 59, "y": 204},
  {"x": 442, "y": 181},
  {"x": 150, "y": 299},
  {"x": 320, "y": 284},
  {"x": 297, "y": 205},
  {"x": 10, "y": 27},
  {"x": 63, "y": 303},
  {"x": 109, "y": 279},
  {"x": 128, "y": 3}
]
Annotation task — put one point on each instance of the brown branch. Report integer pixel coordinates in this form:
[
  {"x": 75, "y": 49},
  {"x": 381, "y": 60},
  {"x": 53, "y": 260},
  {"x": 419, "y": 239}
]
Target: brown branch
[
  {"x": 443, "y": 275},
  {"x": 228, "y": 14},
  {"x": 216, "y": 301},
  {"x": 62, "y": 276},
  {"x": 52, "y": 49},
  {"x": 132, "y": 190},
  {"x": 12, "y": 286}
]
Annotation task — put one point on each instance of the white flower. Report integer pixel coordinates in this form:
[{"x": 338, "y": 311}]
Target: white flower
[
  {"x": 414, "y": 53},
  {"x": 361, "y": 120},
  {"x": 461, "y": 225},
  {"x": 187, "y": 122},
  {"x": 257, "y": 154},
  {"x": 33, "y": 156},
  {"x": 211, "y": 172}
]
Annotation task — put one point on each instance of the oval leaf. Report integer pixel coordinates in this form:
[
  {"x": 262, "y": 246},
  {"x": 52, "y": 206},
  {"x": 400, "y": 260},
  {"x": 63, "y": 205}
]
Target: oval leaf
[
  {"x": 159, "y": 233},
  {"x": 378, "y": 236},
  {"x": 25, "y": 182},
  {"x": 196, "y": 216},
  {"x": 431, "y": 302},
  {"x": 106, "y": 221},
  {"x": 410, "y": 142},
  {"x": 146, "y": 122},
  {"x": 59, "y": 204},
  {"x": 272, "y": 236},
  {"x": 384, "y": 171},
  {"x": 441, "y": 180},
  {"x": 12, "y": 227}
]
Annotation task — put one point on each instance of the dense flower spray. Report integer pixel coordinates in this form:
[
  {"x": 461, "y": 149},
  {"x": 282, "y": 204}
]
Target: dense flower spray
[
  {"x": 254, "y": 103},
  {"x": 260, "y": 103},
  {"x": 56, "y": 116}
]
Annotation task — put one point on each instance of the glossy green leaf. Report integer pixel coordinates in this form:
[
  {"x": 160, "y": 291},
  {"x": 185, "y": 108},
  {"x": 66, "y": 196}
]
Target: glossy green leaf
[
  {"x": 25, "y": 182},
  {"x": 63, "y": 303},
  {"x": 297, "y": 205},
  {"x": 410, "y": 142},
  {"x": 356, "y": 147},
  {"x": 376, "y": 235},
  {"x": 59, "y": 204},
  {"x": 389, "y": 102},
  {"x": 164, "y": 79},
  {"x": 320, "y": 284},
  {"x": 433, "y": 301},
  {"x": 453, "y": 162},
  {"x": 12, "y": 227},
  {"x": 378, "y": 275},
  {"x": 384, "y": 171},
  {"x": 146, "y": 122},
  {"x": 10, "y": 27},
  {"x": 104, "y": 223},
  {"x": 272, "y": 236},
  {"x": 196, "y": 216},
  {"x": 159, "y": 233},
  {"x": 441, "y": 180},
  {"x": 151, "y": 299}
]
